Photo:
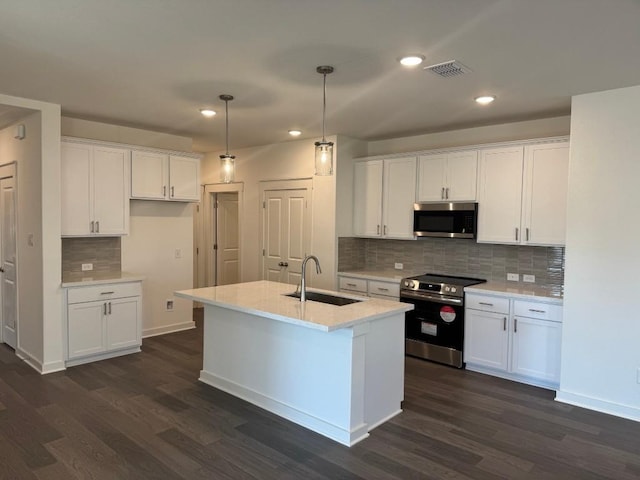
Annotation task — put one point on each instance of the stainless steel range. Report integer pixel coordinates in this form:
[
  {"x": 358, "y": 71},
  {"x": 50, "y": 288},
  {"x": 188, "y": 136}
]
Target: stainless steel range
[{"x": 435, "y": 329}]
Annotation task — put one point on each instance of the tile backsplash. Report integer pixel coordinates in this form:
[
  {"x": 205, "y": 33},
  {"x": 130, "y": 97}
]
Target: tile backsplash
[
  {"x": 455, "y": 257},
  {"x": 103, "y": 252}
]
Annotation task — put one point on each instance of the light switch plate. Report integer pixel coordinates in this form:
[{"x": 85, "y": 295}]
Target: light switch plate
[
  {"x": 398, "y": 266},
  {"x": 87, "y": 267},
  {"x": 513, "y": 277},
  {"x": 178, "y": 253},
  {"x": 529, "y": 278}
]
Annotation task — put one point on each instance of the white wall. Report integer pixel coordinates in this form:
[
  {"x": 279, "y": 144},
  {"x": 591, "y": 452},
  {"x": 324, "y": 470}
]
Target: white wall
[
  {"x": 601, "y": 329},
  {"x": 38, "y": 237},
  {"x": 547, "y": 127},
  {"x": 156, "y": 232},
  {"x": 157, "y": 229},
  {"x": 284, "y": 161}
]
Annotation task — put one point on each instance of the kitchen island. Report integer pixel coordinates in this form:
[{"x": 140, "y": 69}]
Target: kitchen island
[{"x": 337, "y": 370}]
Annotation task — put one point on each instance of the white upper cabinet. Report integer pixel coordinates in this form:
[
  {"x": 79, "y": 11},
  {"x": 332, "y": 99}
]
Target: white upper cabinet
[
  {"x": 161, "y": 176},
  {"x": 544, "y": 199},
  {"x": 522, "y": 194},
  {"x": 95, "y": 194},
  {"x": 500, "y": 195},
  {"x": 448, "y": 176},
  {"x": 384, "y": 193}
]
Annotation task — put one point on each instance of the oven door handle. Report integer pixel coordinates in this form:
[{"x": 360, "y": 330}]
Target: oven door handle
[{"x": 433, "y": 298}]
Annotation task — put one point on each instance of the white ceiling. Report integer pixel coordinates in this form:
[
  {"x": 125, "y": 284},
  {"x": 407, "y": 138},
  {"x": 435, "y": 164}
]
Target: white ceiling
[{"x": 153, "y": 63}]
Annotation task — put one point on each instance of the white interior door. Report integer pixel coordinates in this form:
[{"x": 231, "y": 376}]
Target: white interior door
[
  {"x": 286, "y": 236},
  {"x": 8, "y": 260},
  {"x": 228, "y": 240}
]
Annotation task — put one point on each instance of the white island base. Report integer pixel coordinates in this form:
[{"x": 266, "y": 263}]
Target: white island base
[{"x": 339, "y": 381}]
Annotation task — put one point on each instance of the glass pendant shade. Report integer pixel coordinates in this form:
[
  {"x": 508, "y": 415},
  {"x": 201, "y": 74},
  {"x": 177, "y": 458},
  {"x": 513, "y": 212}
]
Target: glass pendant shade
[
  {"x": 324, "y": 158},
  {"x": 227, "y": 168}
]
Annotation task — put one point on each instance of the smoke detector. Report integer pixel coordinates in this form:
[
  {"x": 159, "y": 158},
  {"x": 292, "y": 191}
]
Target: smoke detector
[{"x": 452, "y": 68}]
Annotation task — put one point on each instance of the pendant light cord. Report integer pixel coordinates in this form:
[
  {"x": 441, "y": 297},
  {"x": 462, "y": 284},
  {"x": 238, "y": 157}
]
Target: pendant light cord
[
  {"x": 226, "y": 116},
  {"x": 324, "y": 102}
]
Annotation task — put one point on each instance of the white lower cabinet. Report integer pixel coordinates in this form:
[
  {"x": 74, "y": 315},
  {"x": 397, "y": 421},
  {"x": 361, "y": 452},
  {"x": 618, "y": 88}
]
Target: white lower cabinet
[
  {"x": 103, "y": 321},
  {"x": 513, "y": 338},
  {"x": 370, "y": 288}
]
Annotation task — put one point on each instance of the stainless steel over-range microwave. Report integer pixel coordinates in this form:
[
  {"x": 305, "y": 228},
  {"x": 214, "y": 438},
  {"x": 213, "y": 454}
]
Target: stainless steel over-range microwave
[{"x": 448, "y": 220}]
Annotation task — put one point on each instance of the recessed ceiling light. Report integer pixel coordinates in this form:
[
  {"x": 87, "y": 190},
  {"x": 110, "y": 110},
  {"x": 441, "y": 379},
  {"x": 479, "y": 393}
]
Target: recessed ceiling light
[
  {"x": 485, "y": 99},
  {"x": 207, "y": 112},
  {"x": 295, "y": 133},
  {"x": 411, "y": 60}
]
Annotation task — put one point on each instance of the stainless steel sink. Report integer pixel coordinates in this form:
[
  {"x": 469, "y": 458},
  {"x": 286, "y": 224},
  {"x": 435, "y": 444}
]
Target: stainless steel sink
[{"x": 325, "y": 298}]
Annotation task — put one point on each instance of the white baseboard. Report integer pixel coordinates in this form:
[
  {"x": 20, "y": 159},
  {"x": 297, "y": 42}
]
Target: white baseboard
[
  {"x": 37, "y": 365},
  {"x": 334, "y": 432},
  {"x": 603, "y": 406},
  {"x": 175, "y": 327},
  {"x": 536, "y": 382},
  {"x": 102, "y": 356}
]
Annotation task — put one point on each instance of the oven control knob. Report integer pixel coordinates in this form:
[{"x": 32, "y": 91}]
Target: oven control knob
[
  {"x": 447, "y": 289},
  {"x": 453, "y": 290}
]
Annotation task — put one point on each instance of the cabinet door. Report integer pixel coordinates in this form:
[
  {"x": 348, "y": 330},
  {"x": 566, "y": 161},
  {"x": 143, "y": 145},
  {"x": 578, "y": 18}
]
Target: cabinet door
[
  {"x": 486, "y": 339},
  {"x": 500, "y": 195},
  {"x": 544, "y": 207},
  {"x": 367, "y": 198},
  {"x": 399, "y": 193},
  {"x": 431, "y": 177},
  {"x": 149, "y": 175},
  {"x": 76, "y": 188},
  {"x": 462, "y": 176},
  {"x": 536, "y": 348},
  {"x": 110, "y": 191},
  {"x": 86, "y": 332},
  {"x": 184, "y": 175},
  {"x": 123, "y": 323}
]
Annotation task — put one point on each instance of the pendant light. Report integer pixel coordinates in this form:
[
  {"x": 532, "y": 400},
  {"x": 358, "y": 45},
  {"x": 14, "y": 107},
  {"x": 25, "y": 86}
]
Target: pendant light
[
  {"x": 324, "y": 149},
  {"x": 227, "y": 162}
]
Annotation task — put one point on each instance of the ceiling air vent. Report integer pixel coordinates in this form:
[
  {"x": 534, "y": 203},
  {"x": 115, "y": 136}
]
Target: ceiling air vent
[{"x": 451, "y": 68}]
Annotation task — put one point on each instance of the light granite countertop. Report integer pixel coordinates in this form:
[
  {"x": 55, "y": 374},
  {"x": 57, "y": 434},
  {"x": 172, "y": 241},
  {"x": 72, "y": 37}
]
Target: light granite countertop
[
  {"x": 269, "y": 300},
  {"x": 518, "y": 290},
  {"x": 83, "y": 279}
]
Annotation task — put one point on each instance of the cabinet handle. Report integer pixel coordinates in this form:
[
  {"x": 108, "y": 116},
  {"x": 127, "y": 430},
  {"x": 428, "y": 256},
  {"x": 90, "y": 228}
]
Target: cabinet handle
[
  {"x": 351, "y": 285},
  {"x": 104, "y": 308},
  {"x": 378, "y": 229},
  {"x": 385, "y": 229},
  {"x": 536, "y": 311},
  {"x": 447, "y": 193},
  {"x": 442, "y": 194},
  {"x": 527, "y": 232},
  {"x": 172, "y": 192},
  {"x": 106, "y": 293},
  {"x": 504, "y": 323},
  {"x": 164, "y": 190},
  {"x": 109, "y": 308},
  {"x": 383, "y": 289},
  {"x": 486, "y": 304},
  {"x": 515, "y": 325},
  {"x": 92, "y": 226},
  {"x": 517, "y": 231},
  {"x": 98, "y": 227}
]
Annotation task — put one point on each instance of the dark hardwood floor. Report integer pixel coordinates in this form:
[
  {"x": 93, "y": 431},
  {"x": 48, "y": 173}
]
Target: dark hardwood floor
[{"x": 146, "y": 416}]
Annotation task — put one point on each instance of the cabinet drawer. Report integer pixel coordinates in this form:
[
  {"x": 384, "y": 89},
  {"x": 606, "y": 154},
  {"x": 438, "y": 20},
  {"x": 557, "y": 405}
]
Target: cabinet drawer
[
  {"x": 353, "y": 284},
  {"x": 487, "y": 303},
  {"x": 542, "y": 311},
  {"x": 384, "y": 288},
  {"x": 103, "y": 292}
]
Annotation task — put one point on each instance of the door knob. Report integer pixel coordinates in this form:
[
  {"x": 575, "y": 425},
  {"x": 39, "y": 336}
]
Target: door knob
[{"x": 283, "y": 264}]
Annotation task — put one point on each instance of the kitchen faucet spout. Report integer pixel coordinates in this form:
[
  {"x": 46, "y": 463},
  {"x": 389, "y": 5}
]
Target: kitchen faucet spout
[{"x": 303, "y": 285}]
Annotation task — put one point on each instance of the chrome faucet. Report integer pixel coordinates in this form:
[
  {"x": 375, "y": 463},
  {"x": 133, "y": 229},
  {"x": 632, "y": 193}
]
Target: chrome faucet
[{"x": 303, "y": 285}]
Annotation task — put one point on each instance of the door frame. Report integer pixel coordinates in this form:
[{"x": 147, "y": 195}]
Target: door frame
[
  {"x": 7, "y": 170},
  {"x": 207, "y": 231},
  {"x": 286, "y": 184}
]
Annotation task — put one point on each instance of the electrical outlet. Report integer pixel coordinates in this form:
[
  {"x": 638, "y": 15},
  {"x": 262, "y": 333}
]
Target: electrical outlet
[
  {"x": 513, "y": 277},
  {"x": 529, "y": 278},
  {"x": 178, "y": 253},
  {"x": 87, "y": 267},
  {"x": 169, "y": 305},
  {"x": 398, "y": 266}
]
